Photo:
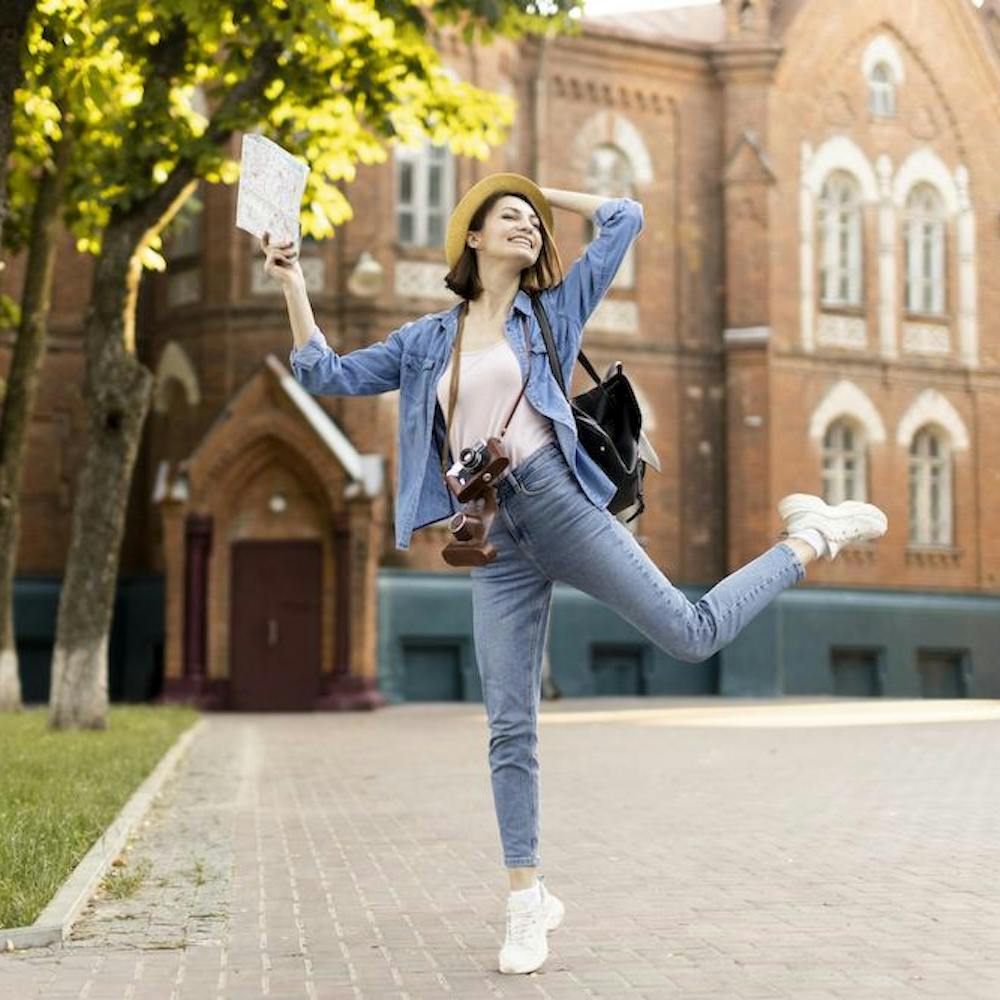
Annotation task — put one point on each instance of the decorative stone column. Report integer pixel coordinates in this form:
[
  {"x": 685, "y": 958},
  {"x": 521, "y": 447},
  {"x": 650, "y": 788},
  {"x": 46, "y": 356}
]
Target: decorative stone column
[
  {"x": 352, "y": 684},
  {"x": 198, "y": 550},
  {"x": 194, "y": 685},
  {"x": 968, "y": 323},
  {"x": 886, "y": 259}
]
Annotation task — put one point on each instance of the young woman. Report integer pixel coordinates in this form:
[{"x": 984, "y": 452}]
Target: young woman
[{"x": 552, "y": 522}]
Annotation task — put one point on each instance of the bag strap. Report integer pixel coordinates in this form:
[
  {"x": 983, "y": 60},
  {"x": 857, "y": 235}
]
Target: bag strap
[
  {"x": 456, "y": 365},
  {"x": 550, "y": 346}
]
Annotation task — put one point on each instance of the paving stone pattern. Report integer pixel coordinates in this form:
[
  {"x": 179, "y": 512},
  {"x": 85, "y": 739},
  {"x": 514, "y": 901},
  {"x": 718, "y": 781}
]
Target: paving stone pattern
[{"x": 350, "y": 856}]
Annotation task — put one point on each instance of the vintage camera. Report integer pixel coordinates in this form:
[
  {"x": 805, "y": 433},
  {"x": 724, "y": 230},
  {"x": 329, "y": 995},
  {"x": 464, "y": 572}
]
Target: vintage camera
[
  {"x": 474, "y": 477},
  {"x": 478, "y": 468},
  {"x": 469, "y": 546}
]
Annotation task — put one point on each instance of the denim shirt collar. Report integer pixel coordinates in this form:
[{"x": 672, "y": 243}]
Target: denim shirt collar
[{"x": 448, "y": 321}]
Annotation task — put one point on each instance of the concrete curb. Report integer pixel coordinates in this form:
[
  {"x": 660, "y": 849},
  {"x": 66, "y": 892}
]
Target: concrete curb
[{"x": 54, "y": 922}]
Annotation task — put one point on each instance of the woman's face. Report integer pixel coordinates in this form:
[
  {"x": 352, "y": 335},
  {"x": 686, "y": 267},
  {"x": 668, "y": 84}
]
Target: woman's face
[{"x": 511, "y": 231}]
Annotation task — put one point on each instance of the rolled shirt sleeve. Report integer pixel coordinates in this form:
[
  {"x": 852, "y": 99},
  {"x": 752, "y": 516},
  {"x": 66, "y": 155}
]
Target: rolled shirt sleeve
[{"x": 321, "y": 371}]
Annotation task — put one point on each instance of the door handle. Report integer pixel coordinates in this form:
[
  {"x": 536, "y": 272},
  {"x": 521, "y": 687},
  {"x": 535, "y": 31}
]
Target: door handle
[{"x": 272, "y": 631}]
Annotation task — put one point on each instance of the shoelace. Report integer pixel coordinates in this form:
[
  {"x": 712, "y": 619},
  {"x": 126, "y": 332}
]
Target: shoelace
[{"x": 521, "y": 924}]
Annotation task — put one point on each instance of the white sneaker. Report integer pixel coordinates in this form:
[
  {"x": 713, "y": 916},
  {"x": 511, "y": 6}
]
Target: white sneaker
[
  {"x": 841, "y": 524},
  {"x": 553, "y": 906},
  {"x": 526, "y": 946}
]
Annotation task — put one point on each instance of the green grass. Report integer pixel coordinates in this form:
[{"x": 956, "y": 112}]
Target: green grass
[{"x": 60, "y": 791}]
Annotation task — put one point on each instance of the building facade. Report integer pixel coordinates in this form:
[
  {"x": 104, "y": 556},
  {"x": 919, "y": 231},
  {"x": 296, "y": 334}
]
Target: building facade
[{"x": 811, "y": 307}]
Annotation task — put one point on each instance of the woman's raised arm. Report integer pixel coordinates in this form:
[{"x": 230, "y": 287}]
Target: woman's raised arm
[
  {"x": 620, "y": 221},
  {"x": 316, "y": 366}
]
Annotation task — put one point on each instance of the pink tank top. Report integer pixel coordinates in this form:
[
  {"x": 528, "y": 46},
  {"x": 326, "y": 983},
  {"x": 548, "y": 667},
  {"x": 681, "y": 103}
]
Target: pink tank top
[{"x": 489, "y": 381}]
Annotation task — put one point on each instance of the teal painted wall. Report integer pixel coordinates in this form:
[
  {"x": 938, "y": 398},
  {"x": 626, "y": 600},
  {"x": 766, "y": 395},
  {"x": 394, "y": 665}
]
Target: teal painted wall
[
  {"x": 426, "y": 648},
  {"x": 425, "y": 617},
  {"x": 135, "y": 649},
  {"x": 811, "y": 641},
  {"x": 788, "y": 649}
]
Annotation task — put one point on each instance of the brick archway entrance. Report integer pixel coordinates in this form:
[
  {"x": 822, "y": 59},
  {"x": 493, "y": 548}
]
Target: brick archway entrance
[{"x": 271, "y": 553}]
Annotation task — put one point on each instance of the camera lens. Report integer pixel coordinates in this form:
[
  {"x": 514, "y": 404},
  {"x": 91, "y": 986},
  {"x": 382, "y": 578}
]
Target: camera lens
[
  {"x": 462, "y": 526},
  {"x": 472, "y": 459}
]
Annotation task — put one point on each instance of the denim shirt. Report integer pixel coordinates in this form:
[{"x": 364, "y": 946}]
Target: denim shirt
[{"x": 413, "y": 358}]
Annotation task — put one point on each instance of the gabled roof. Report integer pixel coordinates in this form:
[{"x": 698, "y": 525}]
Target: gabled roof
[
  {"x": 364, "y": 470},
  {"x": 703, "y": 23}
]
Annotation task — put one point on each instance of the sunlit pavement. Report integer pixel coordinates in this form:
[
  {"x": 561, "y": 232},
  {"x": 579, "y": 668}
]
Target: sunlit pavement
[{"x": 807, "y": 848}]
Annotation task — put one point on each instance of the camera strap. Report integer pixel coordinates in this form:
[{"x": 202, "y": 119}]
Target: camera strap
[{"x": 453, "y": 388}]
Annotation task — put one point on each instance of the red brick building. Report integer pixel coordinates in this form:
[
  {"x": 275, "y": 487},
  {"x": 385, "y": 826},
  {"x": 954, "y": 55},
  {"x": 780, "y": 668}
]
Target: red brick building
[{"x": 811, "y": 307}]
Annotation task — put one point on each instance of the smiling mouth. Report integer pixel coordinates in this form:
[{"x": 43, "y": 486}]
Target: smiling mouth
[{"x": 522, "y": 241}]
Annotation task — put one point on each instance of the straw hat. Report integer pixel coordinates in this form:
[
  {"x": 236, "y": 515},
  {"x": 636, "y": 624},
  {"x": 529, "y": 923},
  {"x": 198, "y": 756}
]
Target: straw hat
[{"x": 458, "y": 224}]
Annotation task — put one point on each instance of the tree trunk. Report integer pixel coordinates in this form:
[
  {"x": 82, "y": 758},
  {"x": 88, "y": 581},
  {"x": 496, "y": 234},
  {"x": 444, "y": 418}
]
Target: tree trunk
[
  {"x": 116, "y": 392},
  {"x": 14, "y": 16},
  {"x": 19, "y": 399}
]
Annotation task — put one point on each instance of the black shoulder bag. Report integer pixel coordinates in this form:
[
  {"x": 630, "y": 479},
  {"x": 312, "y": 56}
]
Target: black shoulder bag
[{"x": 608, "y": 423}]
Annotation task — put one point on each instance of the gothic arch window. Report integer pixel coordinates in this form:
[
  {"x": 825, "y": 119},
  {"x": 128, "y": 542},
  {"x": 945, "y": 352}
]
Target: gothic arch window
[
  {"x": 925, "y": 244},
  {"x": 425, "y": 194},
  {"x": 882, "y": 91},
  {"x": 840, "y": 225},
  {"x": 610, "y": 174},
  {"x": 930, "y": 487},
  {"x": 844, "y": 462}
]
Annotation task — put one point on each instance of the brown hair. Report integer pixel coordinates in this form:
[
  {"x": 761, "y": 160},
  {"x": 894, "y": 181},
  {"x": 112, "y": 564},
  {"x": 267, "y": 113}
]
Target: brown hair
[{"x": 463, "y": 278}]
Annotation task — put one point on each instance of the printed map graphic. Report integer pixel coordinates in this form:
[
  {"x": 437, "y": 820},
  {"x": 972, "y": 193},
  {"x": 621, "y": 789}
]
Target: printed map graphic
[{"x": 272, "y": 182}]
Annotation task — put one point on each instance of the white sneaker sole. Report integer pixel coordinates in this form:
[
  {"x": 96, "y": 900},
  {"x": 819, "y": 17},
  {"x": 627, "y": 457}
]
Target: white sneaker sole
[
  {"x": 518, "y": 970},
  {"x": 554, "y": 913}
]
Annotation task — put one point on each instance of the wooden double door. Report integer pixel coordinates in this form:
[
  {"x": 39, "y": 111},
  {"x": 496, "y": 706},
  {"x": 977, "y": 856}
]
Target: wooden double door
[{"x": 275, "y": 625}]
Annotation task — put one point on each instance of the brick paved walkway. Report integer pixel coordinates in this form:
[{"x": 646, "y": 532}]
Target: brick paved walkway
[{"x": 702, "y": 848}]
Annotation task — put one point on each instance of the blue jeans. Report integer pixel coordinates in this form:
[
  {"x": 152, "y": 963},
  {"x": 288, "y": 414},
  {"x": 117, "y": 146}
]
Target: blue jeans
[{"x": 547, "y": 529}]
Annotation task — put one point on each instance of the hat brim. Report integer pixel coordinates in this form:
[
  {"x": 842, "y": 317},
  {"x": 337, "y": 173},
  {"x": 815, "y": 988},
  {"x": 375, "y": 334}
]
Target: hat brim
[{"x": 461, "y": 217}]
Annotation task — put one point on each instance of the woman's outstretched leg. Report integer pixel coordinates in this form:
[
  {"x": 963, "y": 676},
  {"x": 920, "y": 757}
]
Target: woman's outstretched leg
[{"x": 597, "y": 554}]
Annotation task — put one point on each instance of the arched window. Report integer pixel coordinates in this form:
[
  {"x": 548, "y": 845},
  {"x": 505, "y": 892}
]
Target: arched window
[
  {"x": 425, "y": 194},
  {"x": 882, "y": 91},
  {"x": 844, "y": 463},
  {"x": 924, "y": 240},
  {"x": 841, "y": 239},
  {"x": 930, "y": 488},
  {"x": 610, "y": 175}
]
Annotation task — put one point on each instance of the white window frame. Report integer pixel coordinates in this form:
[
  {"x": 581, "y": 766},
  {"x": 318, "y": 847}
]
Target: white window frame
[
  {"x": 930, "y": 481},
  {"x": 841, "y": 241},
  {"x": 882, "y": 90},
  {"x": 420, "y": 161},
  {"x": 605, "y": 187},
  {"x": 925, "y": 246},
  {"x": 845, "y": 459}
]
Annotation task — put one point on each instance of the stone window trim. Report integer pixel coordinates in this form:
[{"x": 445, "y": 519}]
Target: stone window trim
[
  {"x": 838, "y": 153},
  {"x": 933, "y": 556},
  {"x": 834, "y": 309},
  {"x": 883, "y": 70},
  {"x": 845, "y": 400}
]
